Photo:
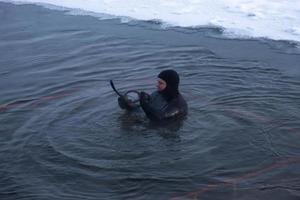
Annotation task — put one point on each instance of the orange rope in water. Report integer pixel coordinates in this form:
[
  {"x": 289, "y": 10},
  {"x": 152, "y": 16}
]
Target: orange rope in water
[
  {"x": 193, "y": 194},
  {"x": 5, "y": 107},
  {"x": 239, "y": 179}
]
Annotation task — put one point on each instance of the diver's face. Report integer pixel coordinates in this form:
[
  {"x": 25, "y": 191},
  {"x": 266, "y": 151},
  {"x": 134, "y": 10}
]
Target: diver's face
[{"x": 161, "y": 85}]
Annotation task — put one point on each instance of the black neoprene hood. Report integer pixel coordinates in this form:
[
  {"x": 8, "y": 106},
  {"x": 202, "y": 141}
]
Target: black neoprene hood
[{"x": 171, "y": 77}]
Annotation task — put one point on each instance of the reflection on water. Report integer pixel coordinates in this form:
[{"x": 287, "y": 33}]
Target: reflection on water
[{"x": 63, "y": 135}]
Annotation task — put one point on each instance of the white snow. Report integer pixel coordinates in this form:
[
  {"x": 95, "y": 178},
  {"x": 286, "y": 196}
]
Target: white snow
[{"x": 274, "y": 19}]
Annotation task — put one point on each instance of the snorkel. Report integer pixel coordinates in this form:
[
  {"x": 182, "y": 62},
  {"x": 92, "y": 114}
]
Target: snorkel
[{"x": 127, "y": 98}]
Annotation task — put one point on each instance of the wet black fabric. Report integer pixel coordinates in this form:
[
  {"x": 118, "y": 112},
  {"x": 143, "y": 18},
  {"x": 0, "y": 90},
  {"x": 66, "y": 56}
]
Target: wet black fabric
[
  {"x": 161, "y": 105},
  {"x": 126, "y": 104},
  {"x": 167, "y": 104},
  {"x": 157, "y": 108},
  {"x": 172, "y": 79}
]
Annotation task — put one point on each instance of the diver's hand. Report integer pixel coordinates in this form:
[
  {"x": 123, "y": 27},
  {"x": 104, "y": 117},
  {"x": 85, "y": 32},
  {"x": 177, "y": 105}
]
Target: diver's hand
[
  {"x": 144, "y": 97},
  {"x": 125, "y": 103}
]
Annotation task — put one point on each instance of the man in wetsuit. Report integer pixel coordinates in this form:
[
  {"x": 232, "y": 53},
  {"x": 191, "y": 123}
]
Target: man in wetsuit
[{"x": 164, "y": 104}]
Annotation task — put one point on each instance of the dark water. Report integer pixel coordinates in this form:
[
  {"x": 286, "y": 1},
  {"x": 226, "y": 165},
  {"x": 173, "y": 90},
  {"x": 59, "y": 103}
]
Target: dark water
[{"x": 64, "y": 137}]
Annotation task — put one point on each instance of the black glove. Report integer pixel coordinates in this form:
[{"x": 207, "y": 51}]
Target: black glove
[
  {"x": 125, "y": 103},
  {"x": 144, "y": 97}
]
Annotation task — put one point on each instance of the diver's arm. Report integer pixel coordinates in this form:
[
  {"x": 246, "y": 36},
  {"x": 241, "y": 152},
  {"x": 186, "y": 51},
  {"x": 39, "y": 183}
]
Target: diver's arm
[
  {"x": 151, "y": 112},
  {"x": 169, "y": 112}
]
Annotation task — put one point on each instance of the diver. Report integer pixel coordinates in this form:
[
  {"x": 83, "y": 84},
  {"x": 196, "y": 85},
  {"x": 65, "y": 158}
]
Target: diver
[{"x": 162, "y": 105}]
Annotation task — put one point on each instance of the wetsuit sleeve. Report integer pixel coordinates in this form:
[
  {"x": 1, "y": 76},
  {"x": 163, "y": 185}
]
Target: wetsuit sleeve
[{"x": 167, "y": 112}]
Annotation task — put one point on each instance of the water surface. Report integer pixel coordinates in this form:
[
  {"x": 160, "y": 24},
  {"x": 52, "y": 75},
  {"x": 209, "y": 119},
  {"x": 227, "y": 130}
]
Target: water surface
[{"x": 63, "y": 135}]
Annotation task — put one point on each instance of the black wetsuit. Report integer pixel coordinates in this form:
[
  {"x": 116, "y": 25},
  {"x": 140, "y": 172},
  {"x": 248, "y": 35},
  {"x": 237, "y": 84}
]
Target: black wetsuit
[
  {"x": 157, "y": 108},
  {"x": 164, "y": 105}
]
